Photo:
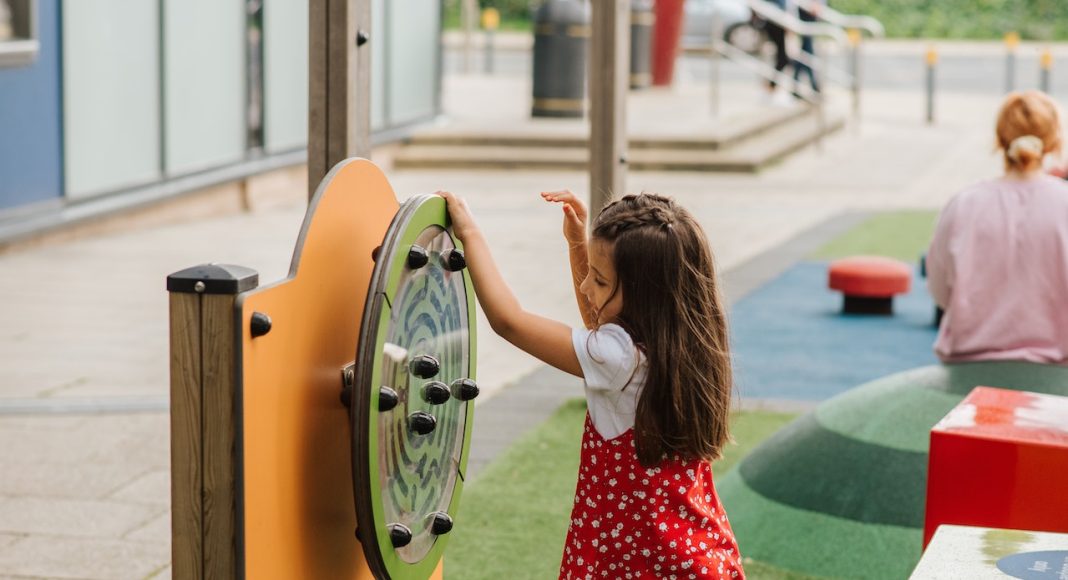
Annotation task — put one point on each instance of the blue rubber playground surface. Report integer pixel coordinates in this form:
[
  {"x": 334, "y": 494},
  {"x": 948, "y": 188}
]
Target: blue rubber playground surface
[{"x": 791, "y": 341}]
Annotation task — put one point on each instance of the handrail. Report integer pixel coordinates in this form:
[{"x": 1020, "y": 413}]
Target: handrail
[
  {"x": 860, "y": 22},
  {"x": 756, "y": 65},
  {"x": 772, "y": 13}
]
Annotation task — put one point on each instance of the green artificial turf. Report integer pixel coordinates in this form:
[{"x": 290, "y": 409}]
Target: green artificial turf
[
  {"x": 513, "y": 517},
  {"x": 903, "y": 235}
]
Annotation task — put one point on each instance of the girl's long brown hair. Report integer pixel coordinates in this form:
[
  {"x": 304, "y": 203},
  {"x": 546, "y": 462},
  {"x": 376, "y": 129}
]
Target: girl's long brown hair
[{"x": 673, "y": 311}]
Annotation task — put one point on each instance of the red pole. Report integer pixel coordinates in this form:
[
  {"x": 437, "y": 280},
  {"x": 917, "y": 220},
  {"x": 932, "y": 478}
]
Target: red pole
[{"x": 666, "y": 34}]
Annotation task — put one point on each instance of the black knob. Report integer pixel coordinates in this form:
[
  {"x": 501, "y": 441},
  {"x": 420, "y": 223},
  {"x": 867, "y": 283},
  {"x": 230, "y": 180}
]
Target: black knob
[
  {"x": 424, "y": 366},
  {"x": 399, "y": 535},
  {"x": 375, "y": 252},
  {"x": 260, "y": 325},
  {"x": 436, "y": 393},
  {"x": 442, "y": 523},
  {"x": 362, "y": 38},
  {"x": 453, "y": 260},
  {"x": 417, "y": 257},
  {"x": 387, "y": 399},
  {"x": 464, "y": 389},
  {"x": 422, "y": 422}
]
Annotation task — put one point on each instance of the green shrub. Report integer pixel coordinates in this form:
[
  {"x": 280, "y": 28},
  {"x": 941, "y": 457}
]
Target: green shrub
[{"x": 989, "y": 19}]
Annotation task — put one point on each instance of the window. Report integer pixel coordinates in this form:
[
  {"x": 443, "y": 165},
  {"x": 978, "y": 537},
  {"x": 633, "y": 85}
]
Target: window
[{"x": 18, "y": 32}]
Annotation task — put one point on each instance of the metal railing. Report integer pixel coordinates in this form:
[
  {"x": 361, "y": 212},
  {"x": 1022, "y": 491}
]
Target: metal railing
[{"x": 830, "y": 25}]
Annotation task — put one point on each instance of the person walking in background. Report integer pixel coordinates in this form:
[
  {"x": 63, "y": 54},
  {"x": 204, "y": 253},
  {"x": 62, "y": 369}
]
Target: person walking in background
[
  {"x": 777, "y": 36},
  {"x": 998, "y": 261},
  {"x": 807, "y": 11}
]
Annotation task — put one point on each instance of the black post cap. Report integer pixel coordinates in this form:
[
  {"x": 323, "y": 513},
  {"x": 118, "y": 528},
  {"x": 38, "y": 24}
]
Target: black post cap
[
  {"x": 464, "y": 389},
  {"x": 436, "y": 393},
  {"x": 453, "y": 260},
  {"x": 387, "y": 399},
  {"x": 424, "y": 366},
  {"x": 417, "y": 257},
  {"x": 213, "y": 279},
  {"x": 422, "y": 422},
  {"x": 399, "y": 535},
  {"x": 442, "y": 523}
]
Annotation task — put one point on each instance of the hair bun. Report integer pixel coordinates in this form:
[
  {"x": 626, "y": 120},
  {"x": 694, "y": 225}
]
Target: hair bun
[{"x": 1025, "y": 143}]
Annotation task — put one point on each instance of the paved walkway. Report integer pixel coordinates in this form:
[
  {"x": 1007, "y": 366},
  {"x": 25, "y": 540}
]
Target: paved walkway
[{"x": 84, "y": 475}]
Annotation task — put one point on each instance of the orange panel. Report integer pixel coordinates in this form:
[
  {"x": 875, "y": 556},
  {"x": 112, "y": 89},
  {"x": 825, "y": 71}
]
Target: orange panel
[
  {"x": 296, "y": 509},
  {"x": 998, "y": 460}
]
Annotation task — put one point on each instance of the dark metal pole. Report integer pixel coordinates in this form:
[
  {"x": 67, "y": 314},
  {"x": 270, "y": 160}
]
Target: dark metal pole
[
  {"x": 1045, "y": 71},
  {"x": 932, "y": 63},
  {"x": 1012, "y": 40}
]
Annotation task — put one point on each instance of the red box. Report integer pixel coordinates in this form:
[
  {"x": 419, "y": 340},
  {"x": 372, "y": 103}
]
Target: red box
[{"x": 999, "y": 459}]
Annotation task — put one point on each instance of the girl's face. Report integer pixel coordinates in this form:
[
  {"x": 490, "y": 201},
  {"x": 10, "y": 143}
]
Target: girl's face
[{"x": 600, "y": 285}]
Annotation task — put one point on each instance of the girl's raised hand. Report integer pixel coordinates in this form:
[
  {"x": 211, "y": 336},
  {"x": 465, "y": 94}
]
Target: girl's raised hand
[
  {"x": 574, "y": 214},
  {"x": 463, "y": 223}
]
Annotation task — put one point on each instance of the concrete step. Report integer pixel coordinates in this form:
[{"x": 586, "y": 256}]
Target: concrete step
[
  {"x": 706, "y": 134},
  {"x": 748, "y": 155}
]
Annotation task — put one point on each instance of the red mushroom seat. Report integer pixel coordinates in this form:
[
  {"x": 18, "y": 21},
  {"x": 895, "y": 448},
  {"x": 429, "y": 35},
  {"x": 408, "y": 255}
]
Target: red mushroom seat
[{"x": 869, "y": 283}]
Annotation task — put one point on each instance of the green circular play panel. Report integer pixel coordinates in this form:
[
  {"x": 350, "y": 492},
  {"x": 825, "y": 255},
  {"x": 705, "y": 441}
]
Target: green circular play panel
[
  {"x": 840, "y": 491},
  {"x": 412, "y": 402}
]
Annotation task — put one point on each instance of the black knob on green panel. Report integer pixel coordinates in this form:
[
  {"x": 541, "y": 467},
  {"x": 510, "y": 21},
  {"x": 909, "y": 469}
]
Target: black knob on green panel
[
  {"x": 422, "y": 422},
  {"x": 387, "y": 399},
  {"x": 399, "y": 535},
  {"x": 453, "y": 260},
  {"x": 417, "y": 257},
  {"x": 424, "y": 366},
  {"x": 260, "y": 324},
  {"x": 442, "y": 523},
  {"x": 464, "y": 389},
  {"x": 436, "y": 393}
]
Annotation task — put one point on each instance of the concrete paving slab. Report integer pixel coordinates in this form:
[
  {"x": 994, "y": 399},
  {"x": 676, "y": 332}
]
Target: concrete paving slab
[{"x": 84, "y": 558}]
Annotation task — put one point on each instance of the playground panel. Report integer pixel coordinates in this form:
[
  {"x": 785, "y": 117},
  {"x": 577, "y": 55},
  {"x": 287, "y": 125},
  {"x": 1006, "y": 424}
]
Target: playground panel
[{"x": 287, "y": 461}]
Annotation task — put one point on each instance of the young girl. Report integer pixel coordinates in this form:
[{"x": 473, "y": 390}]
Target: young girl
[
  {"x": 655, "y": 360},
  {"x": 998, "y": 261}
]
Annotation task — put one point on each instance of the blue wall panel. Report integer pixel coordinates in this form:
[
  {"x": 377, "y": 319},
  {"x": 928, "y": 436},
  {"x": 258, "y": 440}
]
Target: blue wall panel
[{"x": 30, "y": 148}]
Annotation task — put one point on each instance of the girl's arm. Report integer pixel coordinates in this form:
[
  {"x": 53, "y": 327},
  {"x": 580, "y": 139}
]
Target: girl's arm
[
  {"x": 575, "y": 234},
  {"x": 543, "y": 338}
]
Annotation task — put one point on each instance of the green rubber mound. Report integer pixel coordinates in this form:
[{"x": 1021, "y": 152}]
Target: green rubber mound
[{"x": 840, "y": 492}]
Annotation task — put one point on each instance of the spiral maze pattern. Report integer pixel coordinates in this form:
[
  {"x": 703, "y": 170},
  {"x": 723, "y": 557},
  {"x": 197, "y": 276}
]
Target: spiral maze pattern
[{"x": 418, "y": 472}]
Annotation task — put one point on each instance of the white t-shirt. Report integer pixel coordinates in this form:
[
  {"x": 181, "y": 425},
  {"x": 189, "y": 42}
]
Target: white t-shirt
[{"x": 614, "y": 371}]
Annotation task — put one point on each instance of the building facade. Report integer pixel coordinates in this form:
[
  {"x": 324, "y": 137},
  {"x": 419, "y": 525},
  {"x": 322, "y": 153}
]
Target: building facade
[{"x": 115, "y": 103}]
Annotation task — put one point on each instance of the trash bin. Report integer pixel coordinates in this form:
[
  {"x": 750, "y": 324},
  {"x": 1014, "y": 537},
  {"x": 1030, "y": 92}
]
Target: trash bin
[
  {"x": 641, "y": 43},
  {"x": 561, "y": 45}
]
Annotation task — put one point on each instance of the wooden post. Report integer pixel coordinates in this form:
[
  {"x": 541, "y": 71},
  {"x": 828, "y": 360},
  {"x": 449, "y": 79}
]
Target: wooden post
[
  {"x": 339, "y": 85},
  {"x": 609, "y": 76},
  {"x": 202, "y": 337}
]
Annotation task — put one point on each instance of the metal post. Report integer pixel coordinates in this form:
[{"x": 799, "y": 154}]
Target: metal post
[
  {"x": 468, "y": 8},
  {"x": 714, "y": 62},
  {"x": 854, "y": 70},
  {"x": 491, "y": 19},
  {"x": 932, "y": 63},
  {"x": 1045, "y": 70},
  {"x": 1012, "y": 40}
]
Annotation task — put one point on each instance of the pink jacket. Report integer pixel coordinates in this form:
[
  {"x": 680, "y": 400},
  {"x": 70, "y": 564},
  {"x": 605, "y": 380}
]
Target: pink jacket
[{"x": 998, "y": 264}]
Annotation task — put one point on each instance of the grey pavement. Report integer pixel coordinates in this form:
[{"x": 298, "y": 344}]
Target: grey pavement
[{"x": 84, "y": 458}]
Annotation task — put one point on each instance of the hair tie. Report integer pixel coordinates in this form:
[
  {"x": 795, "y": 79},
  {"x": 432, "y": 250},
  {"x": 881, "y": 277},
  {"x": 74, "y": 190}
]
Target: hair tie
[{"x": 1024, "y": 143}]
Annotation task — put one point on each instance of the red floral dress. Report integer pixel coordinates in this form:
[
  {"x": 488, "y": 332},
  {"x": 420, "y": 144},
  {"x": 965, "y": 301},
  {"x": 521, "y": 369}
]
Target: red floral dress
[{"x": 633, "y": 522}]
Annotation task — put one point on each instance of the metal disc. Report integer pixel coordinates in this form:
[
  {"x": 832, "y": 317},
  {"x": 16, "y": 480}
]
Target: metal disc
[{"x": 416, "y": 311}]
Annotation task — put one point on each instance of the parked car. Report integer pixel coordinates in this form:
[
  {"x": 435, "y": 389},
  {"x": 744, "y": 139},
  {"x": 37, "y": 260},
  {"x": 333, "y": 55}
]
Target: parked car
[{"x": 735, "y": 20}]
